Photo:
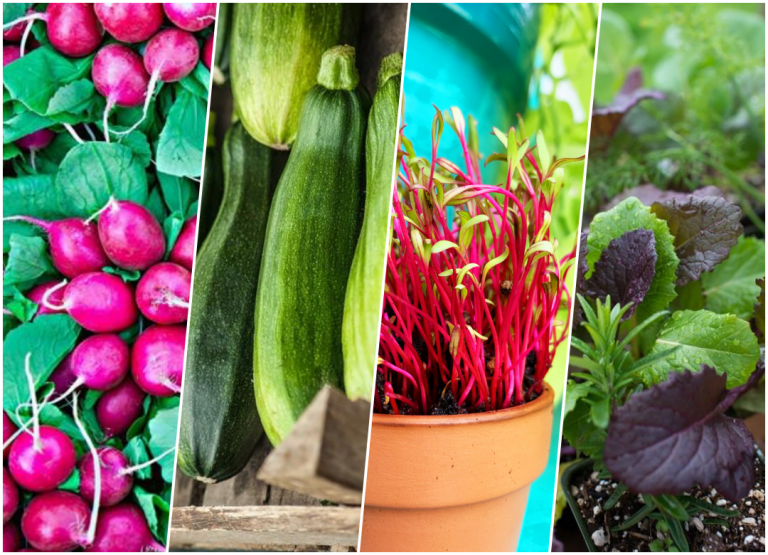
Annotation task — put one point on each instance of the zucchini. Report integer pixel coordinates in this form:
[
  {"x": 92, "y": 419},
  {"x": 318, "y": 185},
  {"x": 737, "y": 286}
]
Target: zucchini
[
  {"x": 313, "y": 228},
  {"x": 362, "y": 307},
  {"x": 275, "y": 56},
  {"x": 219, "y": 422}
]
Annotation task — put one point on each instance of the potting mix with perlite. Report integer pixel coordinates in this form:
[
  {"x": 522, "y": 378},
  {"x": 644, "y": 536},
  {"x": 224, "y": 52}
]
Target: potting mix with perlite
[{"x": 103, "y": 129}]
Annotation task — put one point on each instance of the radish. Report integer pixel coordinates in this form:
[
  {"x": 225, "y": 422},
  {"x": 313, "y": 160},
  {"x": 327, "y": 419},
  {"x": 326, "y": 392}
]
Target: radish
[
  {"x": 10, "y": 496},
  {"x": 163, "y": 293},
  {"x": 41, "y": 460},
  {"x": 118, "y": 408},
  {"x": 15, "y": 32},
  {"x": 72, "y": 27},
  {"x": 116, "y": 478},
  {"x": 74, "y": 244},
  {"x": 56, "y": 521},
  {"x": 169, "y": 56},
  {"x": 130, "y": 235},
  {"x": 9, "y": 428},
  {"x": 63, "y": 376},
  {"x": 190, "y": 16},
  {"x": 157, "y": 360},
  {"x": 123, "y": 528},
  {"x": 207, "y": 56},
  {"x": 37, "y": 293},
  {"x": 101, "y": 362},
  {"x": 183, "y": 252},
  {"x": 11, "y": 538},
  {"x": 11, "y": 53},
  {"x": 100, "y": 302},
  {"x": 36, "y": 141},
  {"x": 130, "y": 22}
]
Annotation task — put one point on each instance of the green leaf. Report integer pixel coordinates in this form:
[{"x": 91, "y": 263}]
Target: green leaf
[
  {"x": 629, "y": 215},
  {"x": 179, "y": 193},
  {"x": 731, "y": 287},
  {"x": 93, "y": 172},
  {"x": 72, "y": 483},
  {"x": 182, "y": 140},
  {"x": 172, "y": 229},
  {"x": 31, "y": 195},
  {"x": 723, "y": 342},
  {"x": 156, "y": 510},
  {"x": 138, "y": 143},
  {"x": 34, "y": 79},
  {"x": 162, "y": 435},
  {"x": 20, "y": 306},
  {"x": 28, "y": 260},
  {"x": 74, "y": 97},
  {"x": 137, "y": 453},
  {"x": 22, "y": 125},
  {"x": 601, "y": 412},
  {"x": 127, "y": 276},
  {"x": 49, "y": 338},
  {"x": 156, "y": 205},
  {"x": 14, "y": 10}
]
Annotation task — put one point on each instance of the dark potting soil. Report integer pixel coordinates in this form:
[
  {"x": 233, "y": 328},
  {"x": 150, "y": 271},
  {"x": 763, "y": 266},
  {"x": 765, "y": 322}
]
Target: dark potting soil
[{"x": 705, "y": 532}]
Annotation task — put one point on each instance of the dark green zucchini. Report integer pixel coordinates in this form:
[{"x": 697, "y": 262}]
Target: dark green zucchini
[
  {"x": 313, "y": 229},
  {"x": 219, "y": 422},
  {"x": 362, "y": 309}
]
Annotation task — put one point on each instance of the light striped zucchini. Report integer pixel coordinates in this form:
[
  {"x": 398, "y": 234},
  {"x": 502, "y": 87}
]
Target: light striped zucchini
[
  {"x": 313, "y": 228},
  {"x": 275, "y": 57},
  {"x": 362, "y": 308}
]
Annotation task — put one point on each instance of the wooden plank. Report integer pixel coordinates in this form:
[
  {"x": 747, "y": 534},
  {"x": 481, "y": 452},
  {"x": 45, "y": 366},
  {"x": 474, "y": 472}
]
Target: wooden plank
[
  {"x": 246, "y": 489},
  {"x": 324, "y": 456},
  {"x": 246, "y": 528}
]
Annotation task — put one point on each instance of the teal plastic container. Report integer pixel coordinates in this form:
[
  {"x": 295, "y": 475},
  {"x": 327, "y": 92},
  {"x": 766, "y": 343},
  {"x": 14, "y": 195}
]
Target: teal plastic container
[{"x": 478, "y": 57}]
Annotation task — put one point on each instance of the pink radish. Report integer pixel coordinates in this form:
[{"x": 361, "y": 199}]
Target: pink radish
[
  {"x": 163, "y": 293},
  {"x": 123, "y": 528},
  {"x": 118, "y": 408},
  {"x": 12, "y": 540},
  {"x": 157, "y": 360},
  {"x": 56, "y": 521},
  {"x": 63, "y": 376},
  {"x": 36, "y": 296},
  {"x": 190, "y": 16},
  {"x": 130, "y": 22},
  {"x": 10, "y": 496},
  {"x": 9, "y": 428},
  {"x": 41, "y": 460},
  {"x": 183, "y": 251},
  {"x": 131, "y": 236},
  {"x": 100, "y": 302},
  {"x": 116, "y": 477},
  {"x": 11, "y": 53},
  {"x": 72, "y": 27},
  {"x": 101, "y": 361},
  {"x": 15, "y": 32},
  {"x": 74, "y": 243},
  {"x": 36, "y": 141},
  {"x": 207, "y": 56},
  {"x": 119, "y": 76},
  {"x": 169, "y": 56}
]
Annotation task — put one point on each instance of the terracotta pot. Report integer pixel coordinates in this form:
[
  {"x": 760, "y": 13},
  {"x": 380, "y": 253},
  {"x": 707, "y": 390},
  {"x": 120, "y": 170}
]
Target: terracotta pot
[{"x": 453, "y": 483}]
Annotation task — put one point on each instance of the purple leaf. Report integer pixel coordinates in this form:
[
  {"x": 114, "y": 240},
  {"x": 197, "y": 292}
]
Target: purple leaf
[
  {"x": 648, "y": 194},
  {"x": 673, "y": 436},
  {"x": 606, "y": 120},
  {"x": 705, "y": 230},
  {"x": 625, "y": 270}
]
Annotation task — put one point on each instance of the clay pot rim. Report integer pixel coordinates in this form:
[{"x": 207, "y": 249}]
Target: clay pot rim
[{"x": 542, "y": 402}]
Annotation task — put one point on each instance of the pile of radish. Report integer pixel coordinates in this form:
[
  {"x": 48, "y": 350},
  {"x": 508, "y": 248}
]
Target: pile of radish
[{"x": 103, "y": 134}]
